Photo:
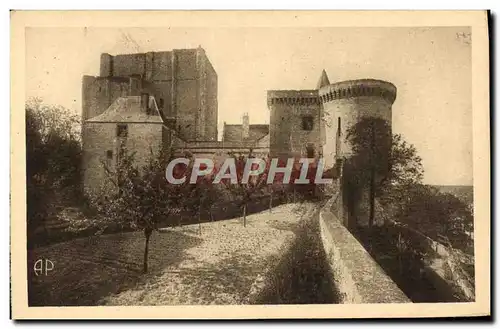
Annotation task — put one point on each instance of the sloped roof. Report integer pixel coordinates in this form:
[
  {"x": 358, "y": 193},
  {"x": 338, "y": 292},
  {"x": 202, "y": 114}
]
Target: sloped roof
[
  {"x": 323, "y": 80},
  {"x": 234, "y": 132},
  {"x": 128, "y": 109}
]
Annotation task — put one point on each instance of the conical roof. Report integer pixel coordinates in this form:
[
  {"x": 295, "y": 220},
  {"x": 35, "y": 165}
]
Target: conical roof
[{"x": 323, "y": 80}]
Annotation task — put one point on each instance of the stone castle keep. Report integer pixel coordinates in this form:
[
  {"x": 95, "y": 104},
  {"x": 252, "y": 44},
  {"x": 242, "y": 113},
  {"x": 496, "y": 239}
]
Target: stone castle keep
[{"x": 143, "y": 102}]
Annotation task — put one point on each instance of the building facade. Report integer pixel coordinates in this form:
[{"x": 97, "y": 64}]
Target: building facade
[
  {"x": 313, "y": 123},
  {"x": 132, "y": 124},
  {"x": 182, "y": 81},
  {"x": 142, "y": 103}
]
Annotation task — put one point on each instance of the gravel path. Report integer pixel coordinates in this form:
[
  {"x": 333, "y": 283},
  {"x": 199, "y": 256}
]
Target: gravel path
[{"x": 219, "y": 266}]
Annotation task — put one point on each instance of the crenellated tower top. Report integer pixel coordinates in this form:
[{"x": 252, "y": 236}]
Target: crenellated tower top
[
  {"x": 293, "y": 97},
  {"x": 357, "y": 88}
]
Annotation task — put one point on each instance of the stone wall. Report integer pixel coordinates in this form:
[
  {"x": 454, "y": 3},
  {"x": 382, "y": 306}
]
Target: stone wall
[
  {"x": 99, "y": 93},
  {"x": 215, "y": 149},
  {"x": 99, "y": 138},
  {"x": 357, "y": 277},
  {"x": 183, "y": 82},
  {"x": 210, "y": 99},
  {"x": 288, "y": 109}
]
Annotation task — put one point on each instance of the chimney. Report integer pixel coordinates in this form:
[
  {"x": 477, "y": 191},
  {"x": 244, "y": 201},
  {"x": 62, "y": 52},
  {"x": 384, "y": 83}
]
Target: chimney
[
  {"x": 145, "y": 103},
  {"x": 246, "y": 126}
]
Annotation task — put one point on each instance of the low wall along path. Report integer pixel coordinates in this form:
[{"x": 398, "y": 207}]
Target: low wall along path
[{"x": 356, "y": 275}]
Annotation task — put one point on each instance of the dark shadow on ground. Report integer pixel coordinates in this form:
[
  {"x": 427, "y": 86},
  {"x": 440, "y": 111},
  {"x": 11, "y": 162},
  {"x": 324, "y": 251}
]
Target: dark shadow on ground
[
  {"x": 224, "y": 211},
  {"x": 300, "y": 276},
  {"x": 87, "y": 270},
  {"x": 220, "y": 211},
  {"x": 303, "y": 276}
]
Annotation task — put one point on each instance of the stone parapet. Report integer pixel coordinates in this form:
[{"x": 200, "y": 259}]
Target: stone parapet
[
  {"x": 291, "y": 97},
  {"x": 357, "y": 88},
  {"x": 358, "y": 278}
]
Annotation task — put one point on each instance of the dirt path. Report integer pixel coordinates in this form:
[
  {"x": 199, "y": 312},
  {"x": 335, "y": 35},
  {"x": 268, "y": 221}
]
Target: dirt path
[{"x": 216, "y": 267}]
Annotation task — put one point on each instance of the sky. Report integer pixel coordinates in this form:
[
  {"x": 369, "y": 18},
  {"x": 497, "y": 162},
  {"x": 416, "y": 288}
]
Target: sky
[{"x": 430, "y": 67}]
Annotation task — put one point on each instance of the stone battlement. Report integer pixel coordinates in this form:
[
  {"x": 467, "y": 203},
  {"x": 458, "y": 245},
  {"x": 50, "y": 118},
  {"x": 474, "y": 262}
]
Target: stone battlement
[
  {"x": 356, "y": 88},
  {"x": 291, "y": 97}
]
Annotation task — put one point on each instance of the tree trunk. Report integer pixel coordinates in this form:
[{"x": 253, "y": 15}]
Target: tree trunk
[
  {"x": 244, "y": 215},
  {"x": 199, "y": 217},
  {"x": 372, "y": 199},
  {"x": 400, "y": 251},
  {"x": 372, "y": 179},
  {"x": 147, "y": 234},
  {"x": 271, "y": 203}
]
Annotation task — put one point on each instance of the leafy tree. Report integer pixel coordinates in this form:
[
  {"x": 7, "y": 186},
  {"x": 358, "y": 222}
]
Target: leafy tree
[
  {"x": 395, "y": 172},
  {"x": 277, "y": 188},
  {"x": 143, "y": 198},
  {"x": 210, "y": 194},
  {"x": 440, "y": 216},
  {"x": 404, "y": 163},
  {"x": 385, "y": 164},
  {"x": 406, "y": 174},
  {"x": 304, "y": 191},
  {"x": 243, "y": 192},
  {"x": 370, "y": 140},
  {"x": 201, "y": 196},
  {"x": 53, "y": 159}
]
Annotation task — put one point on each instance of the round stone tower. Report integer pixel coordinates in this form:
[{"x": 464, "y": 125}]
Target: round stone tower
[{"x": 346, "y": 103}]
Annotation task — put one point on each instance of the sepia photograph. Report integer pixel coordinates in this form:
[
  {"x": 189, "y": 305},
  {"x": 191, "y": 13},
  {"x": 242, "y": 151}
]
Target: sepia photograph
[{"x": 324, "y": 163}]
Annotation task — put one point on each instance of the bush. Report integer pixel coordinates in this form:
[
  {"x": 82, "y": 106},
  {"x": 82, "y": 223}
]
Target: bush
[{"x": 53, "y": 160}]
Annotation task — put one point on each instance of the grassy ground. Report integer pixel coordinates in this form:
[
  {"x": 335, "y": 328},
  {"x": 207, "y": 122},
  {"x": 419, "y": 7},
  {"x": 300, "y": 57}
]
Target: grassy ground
[{"x": 217, "y": 266}]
